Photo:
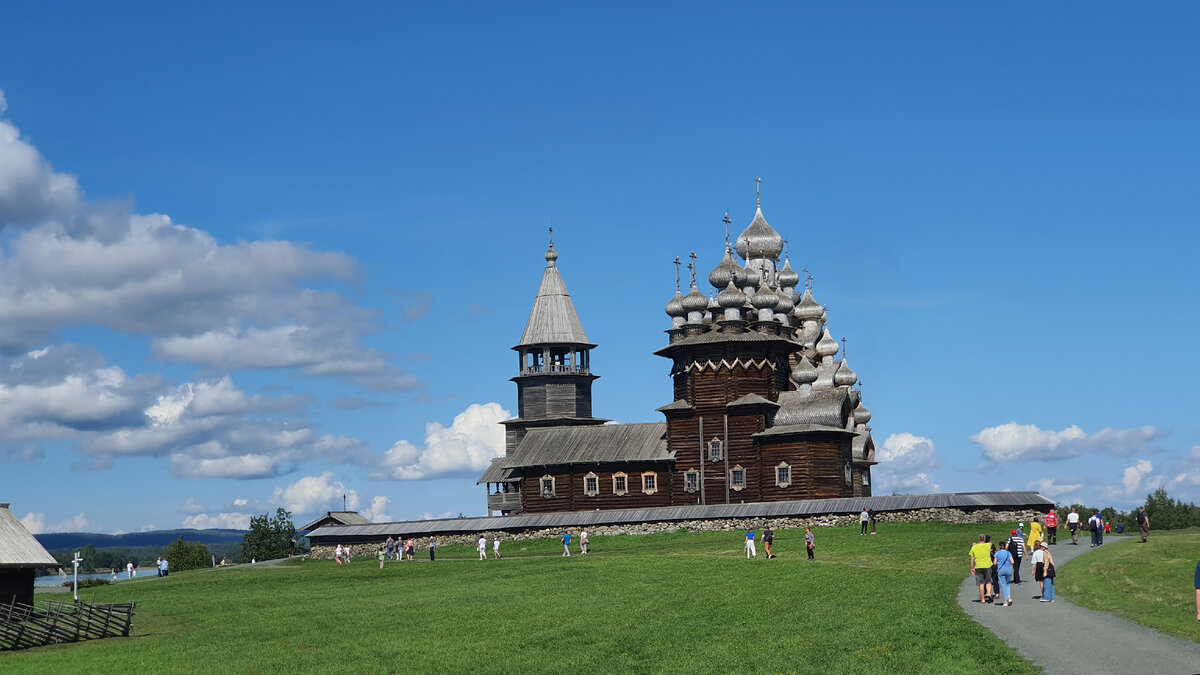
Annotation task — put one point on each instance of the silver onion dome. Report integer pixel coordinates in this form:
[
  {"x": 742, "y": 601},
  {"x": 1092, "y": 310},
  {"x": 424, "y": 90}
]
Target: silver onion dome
[
  {"x": 788, "y": 278},
  {"x": 844, "y": 377},
  {"x": 675, "y": 306},
  {"x": 731, "y": 297},
  {"x": 804, "y": 372},
  {"x": 827, "y": 346},
  {"x": 861, "y": 414},
  {"x": 759, "y": 240},
  {"x": 725, "y": 270},
  {"x": 807, "y": 308},
  {"x": 749, "y": 276},
  {"x": 764, "y": 298},
  {"x": 551, "y": 255},
  {"x": 785, "y": 303},
  {"x": 695, "y": 301}
]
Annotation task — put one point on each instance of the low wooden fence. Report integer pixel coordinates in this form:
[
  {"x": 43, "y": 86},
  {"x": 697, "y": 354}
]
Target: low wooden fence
[{"x": 23, "y": 626}]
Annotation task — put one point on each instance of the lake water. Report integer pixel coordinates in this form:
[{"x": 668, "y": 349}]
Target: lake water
[{"x": 56, "y": 580}]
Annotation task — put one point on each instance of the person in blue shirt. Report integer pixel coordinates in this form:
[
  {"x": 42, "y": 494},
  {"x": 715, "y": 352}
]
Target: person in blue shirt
[
  {"x": 566, "y": 540},
  {"x": 1004, "y": 571},
  {"x": 751, "y": 552},
  {"x": 164, "y": 567}
]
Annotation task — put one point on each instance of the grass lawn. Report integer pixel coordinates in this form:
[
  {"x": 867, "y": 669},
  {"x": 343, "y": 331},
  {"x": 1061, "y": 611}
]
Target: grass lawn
[
  {"x": 1149, "y": 583},
  {"x": 659, "y": 603}
]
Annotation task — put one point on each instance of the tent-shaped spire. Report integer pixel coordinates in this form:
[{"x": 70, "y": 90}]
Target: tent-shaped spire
[{"x": 553, "y": 319}]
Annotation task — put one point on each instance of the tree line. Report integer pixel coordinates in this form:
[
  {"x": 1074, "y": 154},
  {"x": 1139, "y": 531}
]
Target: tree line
[{"x": 1165, "y": 513}]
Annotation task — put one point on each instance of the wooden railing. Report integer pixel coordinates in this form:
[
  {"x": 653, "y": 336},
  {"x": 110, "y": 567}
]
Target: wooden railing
[
  {"x": 23, "y": 626},
  {"x": 505, "y": 501}
]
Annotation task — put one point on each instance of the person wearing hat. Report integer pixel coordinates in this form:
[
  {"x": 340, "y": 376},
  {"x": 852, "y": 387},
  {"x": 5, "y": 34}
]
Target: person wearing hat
[
  {"x": 1048, "y": 574},
  {"x": 1016, "y": 546}
]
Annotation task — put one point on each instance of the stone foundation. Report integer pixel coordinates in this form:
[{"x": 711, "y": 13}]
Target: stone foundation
[{"x": 953, "y": 516}]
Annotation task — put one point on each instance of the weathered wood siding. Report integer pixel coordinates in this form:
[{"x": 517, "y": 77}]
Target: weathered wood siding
[{"x": 569, "y": 488}]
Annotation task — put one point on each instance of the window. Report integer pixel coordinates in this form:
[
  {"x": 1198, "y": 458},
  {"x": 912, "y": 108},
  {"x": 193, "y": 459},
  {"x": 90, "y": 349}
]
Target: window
[
  {"x": 716, "y": 450},
  {"x": 691, "y": 481},
  {"x": 848, "y": 482},
  {"x": 547, "y": 486},
  {"x": 649, "y": 482},
  {"x": 783, "y": 475},
  {"x": 591, "y": 485},
  {"x": 620, "y": 483},
  {"x": 866, "y": 478},
  {"x": 737, "y": 477}
]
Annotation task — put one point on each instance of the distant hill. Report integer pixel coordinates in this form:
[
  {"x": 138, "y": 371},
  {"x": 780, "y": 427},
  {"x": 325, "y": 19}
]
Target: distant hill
[{"x": 60, "y": 540}]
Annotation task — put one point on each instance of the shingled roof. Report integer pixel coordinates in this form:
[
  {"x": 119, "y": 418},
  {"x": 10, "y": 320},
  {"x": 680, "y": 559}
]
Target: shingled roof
[
  {"x": 589, "y": 445},
  {"x": 337, "y": 518},
  {"x": 19, "y": 548},
  {"x": 553, "y": 319}
]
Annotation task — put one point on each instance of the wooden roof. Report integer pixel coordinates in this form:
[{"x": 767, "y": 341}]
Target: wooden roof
[
  {"x": 799, "y": 508},
  {"x": 19, "y": 548},
  {"x": 589, "y": 445},
  {"x": 337, "y": 519},
  {"x": 553, "y": 319}
]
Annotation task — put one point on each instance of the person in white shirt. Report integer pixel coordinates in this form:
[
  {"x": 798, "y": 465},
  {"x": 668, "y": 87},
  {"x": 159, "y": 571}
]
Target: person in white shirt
[
  {"x": 1036, "y": 560},
  {"x": 482, "y": 548},
  {"x": 1073, "y": 526},
  {"x": 496, "y": 548},
  {"x": 583, "y": 542},
  {"x": 337, "y": 554},
  {"x": 131, "y": 570}
]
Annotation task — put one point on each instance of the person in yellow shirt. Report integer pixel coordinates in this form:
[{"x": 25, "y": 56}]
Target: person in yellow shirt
[
  {"x": 1035, "y": 532},
  {"x": 981, "y": 567}
]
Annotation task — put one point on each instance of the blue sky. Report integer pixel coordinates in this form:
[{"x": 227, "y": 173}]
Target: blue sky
[{"x": 271, "y": 256}]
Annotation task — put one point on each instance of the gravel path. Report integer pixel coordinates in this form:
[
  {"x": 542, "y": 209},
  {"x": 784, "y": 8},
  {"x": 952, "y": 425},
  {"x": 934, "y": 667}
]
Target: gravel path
[{"x": 1062, "y": 637}]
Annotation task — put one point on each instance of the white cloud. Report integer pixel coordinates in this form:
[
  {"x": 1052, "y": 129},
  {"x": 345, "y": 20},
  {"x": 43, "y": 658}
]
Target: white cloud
[
  {"x": 230, "y": 521},
  {"x": 466, "y": 447},
  {"x": 228, "y": 466},
  {"x": 1051, "y": 488},
  {"x": 1132, "y": 477},
  {"x": 1014, "y": 442},
  {"x": 36, "y": 524},
  {"x": 313, "y": 494},
  {"x": 429, "y": 516},
  {"x": 191, "y": 507},
  {"x": 904, "y": 463},
  {"x": 377, "y": 510}
]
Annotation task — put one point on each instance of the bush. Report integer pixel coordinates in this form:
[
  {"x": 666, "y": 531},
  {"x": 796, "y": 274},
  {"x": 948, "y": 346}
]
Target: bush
[
  {"x": 187, "y": 555},
  {"x": 269, "y": 538},
  {"x": 86, "y": 583}
]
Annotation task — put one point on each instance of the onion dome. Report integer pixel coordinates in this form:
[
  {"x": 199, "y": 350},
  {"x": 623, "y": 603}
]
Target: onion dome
[
  {"x": 749, "y": 276},
  {"x": 695, "y": 301},
  {"x": 844, "y": 377},
  {"x": 551, "y": 255},
  {"x": 826, "y": 347},
  {"x": 788, "y": 278},
  {"x": 759, "y": 240},
  {"x": 731, "y": 297},
  {"x": 725, "y": 270},
  {"x": 861, "y": 414},
  {"x": 807, "y": 308},
  {"x": 804, "y": 372},
  {"x": 764, "y": 298},
  {"x": 675, "y": 306},
  {"x": 785, "y": 303}
]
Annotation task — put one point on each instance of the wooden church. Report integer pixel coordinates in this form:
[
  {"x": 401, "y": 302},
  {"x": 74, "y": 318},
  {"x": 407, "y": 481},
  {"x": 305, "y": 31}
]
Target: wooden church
[{"x": 763, "y": 410}]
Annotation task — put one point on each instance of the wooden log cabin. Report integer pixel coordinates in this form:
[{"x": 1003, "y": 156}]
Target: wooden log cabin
[{"x": 762, "y": 410}]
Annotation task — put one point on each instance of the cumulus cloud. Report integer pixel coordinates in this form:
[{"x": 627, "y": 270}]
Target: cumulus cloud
[
  {"x": 1050, "y": 487},
  {"x": 36, "y": 524},
  {"x": 466, "y": 447},
  {"x": 1136, "y": 476},
  {"x": 904, "y": 463},
  {"x": 1014, "y": 442},
  {"x": 414, "y": 305},
  {"x": 312, "y": 494},
  {"x": 191, "y": 507},
  {"x": 226, "y": 521}
]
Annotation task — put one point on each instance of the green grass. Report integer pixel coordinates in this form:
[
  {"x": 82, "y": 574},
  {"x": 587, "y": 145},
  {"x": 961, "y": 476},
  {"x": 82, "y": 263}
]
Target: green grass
[
  {"x": 659, "y": 603},
  {"x": 1149, "y": 583}
]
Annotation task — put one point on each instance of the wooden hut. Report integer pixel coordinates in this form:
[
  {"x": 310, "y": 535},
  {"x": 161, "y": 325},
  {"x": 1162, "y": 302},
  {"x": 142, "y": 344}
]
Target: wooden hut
[
  {"x": 20, "y": 555},
  {"x": 336, "y": 518}
]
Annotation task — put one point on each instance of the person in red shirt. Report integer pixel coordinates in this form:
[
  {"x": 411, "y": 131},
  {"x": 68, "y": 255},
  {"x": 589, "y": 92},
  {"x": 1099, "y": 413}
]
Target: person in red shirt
[{"x": 1052, "y": 527}]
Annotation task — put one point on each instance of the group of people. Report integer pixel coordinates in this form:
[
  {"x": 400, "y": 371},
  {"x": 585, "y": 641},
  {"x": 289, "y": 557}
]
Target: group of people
[
  {"x": 997, "y": 568},
  {"x": 583, "y": 543},
  {"x": 397, "y": 548},
  {"x": 768, "y": 539},
  {"x": 164, "y": 567}
]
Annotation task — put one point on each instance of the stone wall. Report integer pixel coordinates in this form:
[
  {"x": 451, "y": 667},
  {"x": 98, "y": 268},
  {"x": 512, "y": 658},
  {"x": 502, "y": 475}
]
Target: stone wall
[{"x": 953, "y": 516}]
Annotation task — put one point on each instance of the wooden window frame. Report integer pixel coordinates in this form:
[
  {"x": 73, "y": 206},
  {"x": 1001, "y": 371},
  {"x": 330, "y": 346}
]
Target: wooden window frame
[
  {"x": 719, "y": 446},
  {"x": 652, "y": 475},
  {"x": 591, "y": 492},
  {"x": 691, "y": 474},
  {"x": 783, "y": 466},
  {"x": 542, "y": 487},
  {"x": 733, "y": 484},
  {"x": 623, "y": 476}
]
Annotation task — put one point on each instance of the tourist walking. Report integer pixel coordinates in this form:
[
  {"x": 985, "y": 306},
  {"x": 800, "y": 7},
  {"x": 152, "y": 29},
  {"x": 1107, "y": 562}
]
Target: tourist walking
[
  {"x": 131, "y": 569},
  {"x": 158, "y": 565},
  {"x": 1035, "y": 532},
  {"x": 1003, "y": 562},
  {"x": 862, "y": 519},
  {"x": 1198, "y": 591},
  {"x": 809, "y": 541},
  {"x": 768, "y": 539},
  {"x": 1073, "y": 525},
  {"x": 337, "y": 555},
  {"x": 1037, "y": 558},
  {"x": 432, "y": 548},
  {"x": 164, "y": 567},
  {"x": 1048, "y": 574},
  {"x": 751, "y": 552},
  {"x": 1052, "y": 527},
  {"x": 583, "y": 542},
  {"x": 482, "y": 546},
  {"x": 1143, "y": 523},
  {"x": 382, "y": 553},
  {"x": 566, "y": 542},
  {"x": 872, "y": 517},
  {"x": 292, "y": 549},
  {"x": 1096, "y": 527},
  {"x": 411, "y": 548},
  {"x": 391, "y": 546},
  {"x": 981, "y": 567},
  {"x": 995, "y": 575},
  {"x": 496, "y": 548},
  {"x": 1016, "y": 546}
]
